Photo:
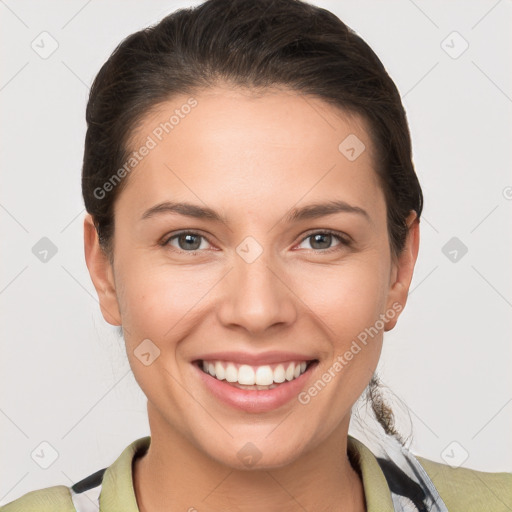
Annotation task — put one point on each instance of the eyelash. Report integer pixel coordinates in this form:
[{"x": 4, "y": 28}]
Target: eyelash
[{"x": 342, "y": 238}]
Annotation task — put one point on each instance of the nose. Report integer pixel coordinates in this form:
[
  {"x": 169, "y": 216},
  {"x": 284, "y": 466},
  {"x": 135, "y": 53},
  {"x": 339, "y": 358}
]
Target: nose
[{"x": 257, "y": 296}]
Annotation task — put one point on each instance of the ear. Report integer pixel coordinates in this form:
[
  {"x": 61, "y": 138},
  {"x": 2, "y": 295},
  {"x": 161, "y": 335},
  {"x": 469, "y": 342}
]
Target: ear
[
  {"x": 402, "y": 271},
  {"x": 101, "y": 272}
]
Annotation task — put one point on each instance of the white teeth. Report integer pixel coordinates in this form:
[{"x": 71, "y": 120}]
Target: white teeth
[
  {"x": 279, "y": 374},
  {"x": 246, "y": 375},
  {"x": 290, "y": 371},
  {"x": 260, "y": 377},
  {"x": 219, "y": 371},
  {"x": 231, "y": 373},
  {"x": 264, "y": 376}
]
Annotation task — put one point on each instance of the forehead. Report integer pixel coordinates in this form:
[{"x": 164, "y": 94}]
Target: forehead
[
  {"x": 274, "y": 116},
  {"x": 270, "y": 146}
]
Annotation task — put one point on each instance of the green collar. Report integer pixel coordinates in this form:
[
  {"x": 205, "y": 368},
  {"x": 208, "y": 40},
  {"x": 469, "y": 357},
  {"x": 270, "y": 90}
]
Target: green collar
[{"x": 118, "y": 494}]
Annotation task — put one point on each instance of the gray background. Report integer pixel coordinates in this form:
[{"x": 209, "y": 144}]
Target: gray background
[{"x": 65, "y": 379}]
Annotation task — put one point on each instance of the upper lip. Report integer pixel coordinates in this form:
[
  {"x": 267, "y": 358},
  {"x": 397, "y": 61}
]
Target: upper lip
[{"x": 255, "y": 359}]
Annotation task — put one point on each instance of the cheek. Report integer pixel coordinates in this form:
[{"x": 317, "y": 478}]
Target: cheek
[
  {"x": 347, "y": 297},
  {"x": 159, "y": 301},
  {"x": 163, "y": 301}
]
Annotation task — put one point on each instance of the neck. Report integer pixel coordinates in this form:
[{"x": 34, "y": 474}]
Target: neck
[{"x": 175, "y": 473}]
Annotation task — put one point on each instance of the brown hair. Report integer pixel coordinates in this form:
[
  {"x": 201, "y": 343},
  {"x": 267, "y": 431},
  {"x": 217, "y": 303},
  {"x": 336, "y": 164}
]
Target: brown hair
[{"x": 266, "y": 43}]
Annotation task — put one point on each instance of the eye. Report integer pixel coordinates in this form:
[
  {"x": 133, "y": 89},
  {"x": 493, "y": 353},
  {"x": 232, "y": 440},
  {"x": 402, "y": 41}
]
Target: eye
[
  {"x": 187, "y": 241},
  {"x": 321, "y": 240},
  {"x": 191, "y": 241}
]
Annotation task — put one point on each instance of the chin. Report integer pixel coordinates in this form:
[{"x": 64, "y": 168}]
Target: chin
[{"x": 252, "y": 452}]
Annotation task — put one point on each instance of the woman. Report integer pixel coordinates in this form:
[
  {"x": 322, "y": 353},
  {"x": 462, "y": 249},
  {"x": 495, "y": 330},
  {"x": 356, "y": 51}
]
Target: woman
[{"x": 268, "y": 138}]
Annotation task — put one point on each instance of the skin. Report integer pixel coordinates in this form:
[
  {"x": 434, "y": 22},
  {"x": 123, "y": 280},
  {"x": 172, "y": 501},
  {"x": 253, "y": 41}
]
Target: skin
[{"x": 252, "y": 158}]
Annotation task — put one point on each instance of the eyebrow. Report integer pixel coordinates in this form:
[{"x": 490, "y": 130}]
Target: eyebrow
[{"x": 311, "y": 211}]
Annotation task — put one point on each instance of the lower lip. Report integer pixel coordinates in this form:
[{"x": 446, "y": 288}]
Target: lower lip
[{"x": 256, "y": 400}]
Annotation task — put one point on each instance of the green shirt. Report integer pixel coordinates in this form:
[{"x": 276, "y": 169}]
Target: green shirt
[{"x": 461, "y": 489}]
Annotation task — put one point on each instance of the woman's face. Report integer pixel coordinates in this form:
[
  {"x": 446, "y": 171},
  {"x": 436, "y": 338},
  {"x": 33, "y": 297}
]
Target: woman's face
[{"x": 259, "y": 283}]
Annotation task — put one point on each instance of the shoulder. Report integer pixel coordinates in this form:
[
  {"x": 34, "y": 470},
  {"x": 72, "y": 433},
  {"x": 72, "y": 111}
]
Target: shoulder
[
  {"x": 113, "y": 482},
  {"x": 468, "y": 490},
  {"x": 51, "y": 499}
]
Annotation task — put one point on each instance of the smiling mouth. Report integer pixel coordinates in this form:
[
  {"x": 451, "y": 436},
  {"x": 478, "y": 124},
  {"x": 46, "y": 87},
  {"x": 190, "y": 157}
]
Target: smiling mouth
[{"x": 262, "y": 377}]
